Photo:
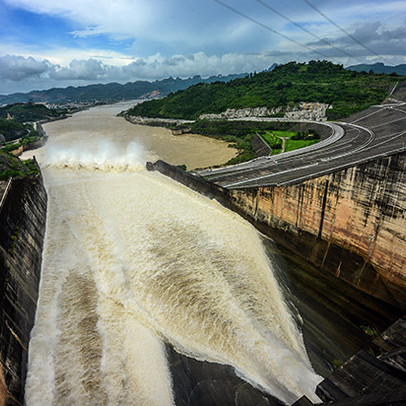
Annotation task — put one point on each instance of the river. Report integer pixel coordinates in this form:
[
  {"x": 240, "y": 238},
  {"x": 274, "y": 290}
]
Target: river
[{"x": 135, "y": 262}]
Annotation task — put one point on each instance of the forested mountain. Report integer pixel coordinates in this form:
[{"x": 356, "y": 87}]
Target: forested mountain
[
  {"x": 112, "y": 92},
  {"x": 316, "y": 81}
]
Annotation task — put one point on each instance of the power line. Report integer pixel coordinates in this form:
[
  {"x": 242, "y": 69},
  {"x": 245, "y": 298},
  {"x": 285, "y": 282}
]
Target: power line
[
  {"x": 305, "y": 29},
  {"x": 269, "y": 28},
  {"x": 342, "y": 29}
]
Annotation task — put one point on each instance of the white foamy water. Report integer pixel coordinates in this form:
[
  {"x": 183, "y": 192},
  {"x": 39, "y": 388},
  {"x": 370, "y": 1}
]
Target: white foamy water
[{"x": 132, "y": 260}]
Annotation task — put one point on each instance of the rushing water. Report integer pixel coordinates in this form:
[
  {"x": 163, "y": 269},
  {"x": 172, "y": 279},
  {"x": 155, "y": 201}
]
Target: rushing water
[{"x": 133, "y": 260}]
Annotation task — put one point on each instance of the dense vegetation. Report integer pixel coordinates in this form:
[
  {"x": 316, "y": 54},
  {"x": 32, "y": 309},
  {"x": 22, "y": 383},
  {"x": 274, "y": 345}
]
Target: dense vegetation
[
  {"x": 29, "y": 112},
  {"x": 11, "y": 166},
  {"x": 30, "y": 137},
  {"x": 11, "y": 130},
  {"x": 19, "y": 126},
  {"x": 316, "y": 81}
]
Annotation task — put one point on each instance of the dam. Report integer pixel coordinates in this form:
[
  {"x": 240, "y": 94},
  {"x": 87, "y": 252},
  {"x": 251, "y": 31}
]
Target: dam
[
  {"x": 132, "y": 260},
  {"x": 142, "y": 277}
]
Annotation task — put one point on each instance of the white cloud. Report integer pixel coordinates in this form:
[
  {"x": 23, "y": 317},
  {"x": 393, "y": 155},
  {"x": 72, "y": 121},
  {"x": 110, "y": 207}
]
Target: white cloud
[
  {"x": 187, "y": 37},
  {"x": 166, "y": 26},
  {"x": 90, "y": 69},
  {"x": 17, "y": 68},
  {"x": 24, "y": 74},
  {"x": 33, "y": 74}
]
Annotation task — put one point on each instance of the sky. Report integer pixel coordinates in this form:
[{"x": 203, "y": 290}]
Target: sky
[{"x": 60, "y": 43}]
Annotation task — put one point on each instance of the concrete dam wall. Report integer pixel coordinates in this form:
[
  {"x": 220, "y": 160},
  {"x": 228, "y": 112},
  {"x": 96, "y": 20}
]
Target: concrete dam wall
[
  {"x": 22, "y": 224},
  {"x": 350, "y": 223}
]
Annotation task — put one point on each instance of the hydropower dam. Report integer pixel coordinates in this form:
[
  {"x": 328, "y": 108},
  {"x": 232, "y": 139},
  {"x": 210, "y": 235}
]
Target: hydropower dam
[{"x": 153, "y": 294}]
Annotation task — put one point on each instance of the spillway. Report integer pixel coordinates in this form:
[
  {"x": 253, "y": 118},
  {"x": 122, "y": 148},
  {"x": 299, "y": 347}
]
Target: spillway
[{"x": 132, "y": 261}]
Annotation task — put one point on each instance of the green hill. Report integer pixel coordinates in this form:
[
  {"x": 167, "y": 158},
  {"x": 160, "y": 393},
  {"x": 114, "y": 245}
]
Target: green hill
[
  {"x": 316, "y": 81},
  {"x": 15, "y": 122},
  {"x": 28, "y": 112},
  {"x": 11, "y": 130}
]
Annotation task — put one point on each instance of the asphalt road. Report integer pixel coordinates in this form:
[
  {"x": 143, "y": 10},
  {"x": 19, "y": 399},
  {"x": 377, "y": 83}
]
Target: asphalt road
[{"x": 375, "y": 132}]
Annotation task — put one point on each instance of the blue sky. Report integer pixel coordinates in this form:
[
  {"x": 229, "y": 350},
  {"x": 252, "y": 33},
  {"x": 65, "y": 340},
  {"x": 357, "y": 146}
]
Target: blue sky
[{"x": 60, "y": 43}]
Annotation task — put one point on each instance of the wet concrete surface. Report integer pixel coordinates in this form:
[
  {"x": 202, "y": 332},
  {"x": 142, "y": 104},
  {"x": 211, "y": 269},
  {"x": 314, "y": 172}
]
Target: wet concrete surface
[{"x": 333, "y": 317}]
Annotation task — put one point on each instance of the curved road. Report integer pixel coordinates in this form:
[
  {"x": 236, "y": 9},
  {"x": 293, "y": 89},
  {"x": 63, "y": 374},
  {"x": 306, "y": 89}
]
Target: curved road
[{"x": 375, "y": 132}]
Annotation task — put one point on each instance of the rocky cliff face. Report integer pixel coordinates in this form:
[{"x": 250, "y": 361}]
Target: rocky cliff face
[
  {"x": 303, "y": 111},
  {"x": 350, "y": 223},
  {"x": 22, "y": 225}
]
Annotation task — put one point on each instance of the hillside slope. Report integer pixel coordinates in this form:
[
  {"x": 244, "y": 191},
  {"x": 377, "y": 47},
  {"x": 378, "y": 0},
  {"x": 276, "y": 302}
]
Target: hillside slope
[
  {"x": 15, "y": 119},
  {"x": 316, "y": 81},
  {"x": 29, "y": 112}
]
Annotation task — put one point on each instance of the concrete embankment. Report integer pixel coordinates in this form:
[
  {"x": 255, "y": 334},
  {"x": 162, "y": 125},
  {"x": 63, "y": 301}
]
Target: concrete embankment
[
  {"x": 349, "y": 223},
  {"x": 22, "y": 224}
]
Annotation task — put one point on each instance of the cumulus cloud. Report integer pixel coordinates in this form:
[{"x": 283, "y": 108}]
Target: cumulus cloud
[
  {"x": 385, "y": 42},
  {"x": 18, "y": 68},
  {"x": 88, "y": 70},
  {"x": 23, "y": 74}
]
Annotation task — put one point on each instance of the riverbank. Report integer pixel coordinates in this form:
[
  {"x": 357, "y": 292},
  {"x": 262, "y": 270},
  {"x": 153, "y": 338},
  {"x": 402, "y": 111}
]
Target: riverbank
[{"x": 194, "y": 151}]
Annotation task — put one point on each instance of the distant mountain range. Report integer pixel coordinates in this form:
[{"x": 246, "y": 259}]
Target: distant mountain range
[
  {"x": 115, "y": 92},
  {"x": 379, "y": 68},
  {"x": 112, "y": 92}
]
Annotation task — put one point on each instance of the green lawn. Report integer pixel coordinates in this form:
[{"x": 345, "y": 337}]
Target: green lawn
[
  {"x": 287, "y": 134},
  {"x": 296, "y": 144},
  {"x": 271, "y": 137}
]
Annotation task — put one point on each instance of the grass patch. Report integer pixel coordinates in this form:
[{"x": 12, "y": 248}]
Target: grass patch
[
  {"x": 285, "y": 134},
  {"x": 294, "y": 139},
  {"x": 291, "y": 145}
]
